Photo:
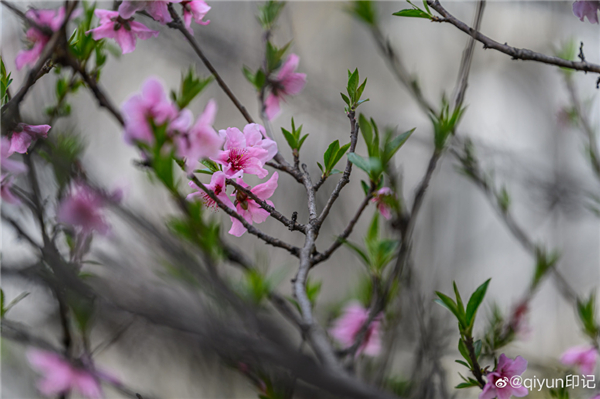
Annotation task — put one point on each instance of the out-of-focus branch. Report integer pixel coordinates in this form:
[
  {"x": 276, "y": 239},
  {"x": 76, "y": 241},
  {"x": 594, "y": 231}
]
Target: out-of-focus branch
[
  {"x": 585, "y": 125},
  {"x": 15, "y": 332},
  {"x": 399, "y": 70},
  {"x": 345, "y": 234},
  {"x": 515, "y": 53},
  {"x": 476, "y": 175}
]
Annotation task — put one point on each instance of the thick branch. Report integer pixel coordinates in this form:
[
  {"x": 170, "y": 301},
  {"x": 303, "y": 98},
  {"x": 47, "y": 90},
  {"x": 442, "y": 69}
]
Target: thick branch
[{"x": 515, "y": 53}]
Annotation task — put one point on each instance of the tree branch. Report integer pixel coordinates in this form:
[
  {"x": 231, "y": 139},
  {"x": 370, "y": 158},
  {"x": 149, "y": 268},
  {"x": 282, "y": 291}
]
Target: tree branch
[{"x": 515, "y": 53}]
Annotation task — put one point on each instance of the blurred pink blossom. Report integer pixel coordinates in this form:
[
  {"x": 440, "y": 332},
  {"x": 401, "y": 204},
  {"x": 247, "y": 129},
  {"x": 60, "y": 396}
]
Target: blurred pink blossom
[
  {"x": 505, "y": 370},
  {"x": 60, "y": 377},
  {"x": 218, "y": 186},
  {"x": 347, "y": 327},
  {"x": 201, "y": 141},
  {"x": 6, "y": 182},
  {"x": 24, "y": 134},
  {"x": 124, "y": 31},
  {"x": 151, "y": 104},
  {"x": 245, "y": 152},
  {"x": 6, "y": 164},
  {"x": 83, "y": 210},
  {"x": 286, "y": 83},
  {"x": 380, "y": 198},
  {"x": 52, "y": 19},
  {"x": 196, "y": 10},
  {"x": 248, "y": 208},
  {"x": 157, "y": 9},
  {"x": 584, "y": 357},
  {"x": 587, "y": 8}
]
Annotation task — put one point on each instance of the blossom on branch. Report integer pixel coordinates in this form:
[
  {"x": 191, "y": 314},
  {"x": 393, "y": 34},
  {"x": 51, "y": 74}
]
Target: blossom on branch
[
  {"x": 142, "y": 110},
  {"x": 286, "y": 83},
  {"x": 9, "y": 169},
  {"x": 196, "y": 10},
  {"x": 124, "y": 31},
  {"x": 584, "y": 357},
  {"x": 585, "y": 8},
  {"x": 201, "y": 141},
  {"x": 157, "y": 9},
  {"x": 382, "y": 198},
  {"x": 52, "y": 19},
  {"x": 347, "y": 327},
  {"x": 248, "y": 208},
  {"x": 218, "y": 186},
  {"x": 24, "y": 134},
  {"x": 59, "y": 377},
  {"x": 245, "y": 152},
  {"x": 498, "y": 381}
]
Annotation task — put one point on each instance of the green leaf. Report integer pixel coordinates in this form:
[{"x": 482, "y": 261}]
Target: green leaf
[
  {"x": 353, "y": 85},
  {"x": 2, "y": 310},
  {"x": 345, "y": 98},
  {"x": 366, "y": 130},
  {"x": 474, "y": 302},
  {"x": 268, "y": 13},
  {"x": 462, "y": 348},
  {"x": 359, "y": 161},
  {"x": 339, "y": 154},
  {"x": 412, "y": 13},
  {"x": 248, "y": 74},
  {"x": 463, "y": 363},
  {"x": 291, "y": 140},
  {"x": 459, "y": 302},
  {"x": 364, "y": 11},
  {"x": 363, "y": 256},
  {"x": 394, "y": 145},
  {"x": 366, "y": 188},
  {"x": 448, "y": 303},
  {"x": 330, "y": 154},
  {"x": 191, "y": 85},
  {"x": 302, "y": 141}
]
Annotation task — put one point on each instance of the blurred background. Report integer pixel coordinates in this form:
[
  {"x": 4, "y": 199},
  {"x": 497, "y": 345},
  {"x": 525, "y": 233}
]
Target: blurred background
[{"x": 513, "y": 118}]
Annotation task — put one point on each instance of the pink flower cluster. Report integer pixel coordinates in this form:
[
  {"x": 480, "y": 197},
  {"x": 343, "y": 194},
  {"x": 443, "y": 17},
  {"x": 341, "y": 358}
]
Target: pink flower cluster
[
  {"x": 21, "y": 138},
  {"x": 244, "y": 152},
  {"x": 151, "y": 108},
  {"x": 120, "y": 26},
  {"x": 52, "y": 19},
  {"x": 287, "y": 82},
  {"x": 346, "y": 328},
  {"x": 505, "y": 370}
]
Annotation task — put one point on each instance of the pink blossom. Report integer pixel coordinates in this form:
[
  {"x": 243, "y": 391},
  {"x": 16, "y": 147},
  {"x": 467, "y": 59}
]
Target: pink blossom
[
  {"x": 6, "y": 164},
  {"x": 201, "y": 141},
  {"x": 589, "y": 9},
  {"x": 347, "y": 327},
  {"x": 60, "y": 377},
  {"x": 218, "y": 186},
  {"x": 505, "y": 370},
  {"x": 248, "y": 208},
  {"x": 196, "y": 10},
  {"x": 52, "y": 19},
  {"x": 246, "y": 152},
  {"x": 6, "y": 182},
  {"x": 124, "y": 31},
  {"x": 157, "y": 9},
  {"x": 286, "y": 83},
  {"x": 83, "y": 209},
  {"x": 24, "y": 134},
  {"x": 381, "y": 198},
  {"x": 151, "y": 105},
  {"x": 584, "y": 357}
]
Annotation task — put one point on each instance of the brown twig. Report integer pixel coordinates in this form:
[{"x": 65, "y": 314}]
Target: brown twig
[{"x": 515, "y": 53}]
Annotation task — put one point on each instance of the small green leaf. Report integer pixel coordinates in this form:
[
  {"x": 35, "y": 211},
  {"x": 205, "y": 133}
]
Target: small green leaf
[
  {"x": 412, "y": 13},
  {"x": 359, "y": 161},
  {"x": 476, "y": 300},
  {"x": 448, "y": 303},
  {"x": 345, "y": 98}
]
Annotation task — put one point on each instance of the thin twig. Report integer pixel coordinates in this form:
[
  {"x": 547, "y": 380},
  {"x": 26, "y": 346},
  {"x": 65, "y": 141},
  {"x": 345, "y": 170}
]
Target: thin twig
[
  {"x": 515, "y": 53},
  {"x": 272, "y": 211}
]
